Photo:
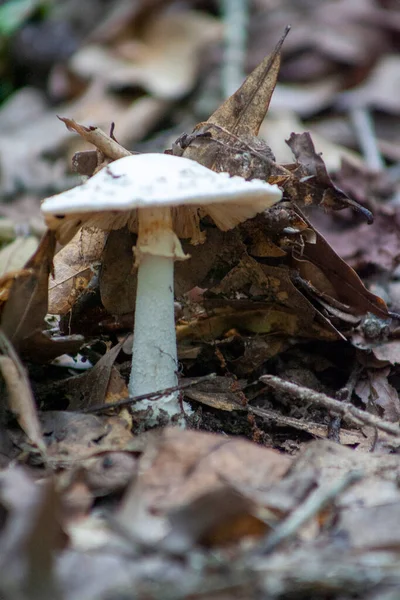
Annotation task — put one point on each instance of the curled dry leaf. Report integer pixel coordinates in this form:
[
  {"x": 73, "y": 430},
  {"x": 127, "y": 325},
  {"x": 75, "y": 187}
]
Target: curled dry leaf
[{"x": 348, "y": 286}]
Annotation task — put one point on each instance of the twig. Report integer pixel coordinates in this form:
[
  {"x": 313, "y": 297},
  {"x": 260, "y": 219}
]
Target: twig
[
  {"x": 346, "y": 410},
  {"x": 96, "y": 136},
  {"x": 236, "y": 16},
  {"x": 365, "y": 132},
  {"x": 315, "y": 502},
  {"x": 150, "y": 396},
  {"x": 344, "y": 395}
]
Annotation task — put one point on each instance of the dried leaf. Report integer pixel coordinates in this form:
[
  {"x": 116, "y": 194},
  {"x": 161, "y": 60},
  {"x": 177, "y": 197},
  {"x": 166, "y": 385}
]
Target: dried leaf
[
  {"x": 15, "y": 255},
  {"x": 74, "y": 267},
  {"x": 20, "y": 398},
  {"x": 348, "y": 286},
  {"x": 244, "y": 111},
  {"x": 221, "y": 141},
  {"x": 90, "y": 389},
  {"x": 23, "y": 315},
  {"x": 217, "y": 518},
  {"x": 179, "y": 467},
  {"x": 163, "y": 57},
  {"x": 310, "y": 168},
  {"x": 117, "y": 277},
  {"x": 31, "y": 536},
  {"x": 377, "y": 391},
  {"x": 73, "y": 437},
  {"x": 223, "y": 393}
]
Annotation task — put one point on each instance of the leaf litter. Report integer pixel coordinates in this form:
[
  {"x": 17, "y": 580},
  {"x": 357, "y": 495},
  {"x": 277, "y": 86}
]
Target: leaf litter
[{"x": 303, "y": 347}]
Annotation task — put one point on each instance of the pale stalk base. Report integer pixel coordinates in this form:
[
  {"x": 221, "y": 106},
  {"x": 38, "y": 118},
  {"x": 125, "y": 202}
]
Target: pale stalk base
[{"x": 154, "y": 357}]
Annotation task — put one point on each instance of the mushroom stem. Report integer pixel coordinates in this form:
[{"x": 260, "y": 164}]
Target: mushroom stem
[{"x": 154, "y": 358}]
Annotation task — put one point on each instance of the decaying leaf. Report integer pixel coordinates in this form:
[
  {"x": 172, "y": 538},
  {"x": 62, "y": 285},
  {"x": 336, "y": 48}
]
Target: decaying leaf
[{"x": 347, "y": 284}]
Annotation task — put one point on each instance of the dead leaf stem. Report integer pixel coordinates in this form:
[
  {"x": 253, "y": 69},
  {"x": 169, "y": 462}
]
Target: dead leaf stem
[
  {"x": 346, "y": 410},
  {"x": 96, "y": 136},
  {"x": 150, "y": 396}
]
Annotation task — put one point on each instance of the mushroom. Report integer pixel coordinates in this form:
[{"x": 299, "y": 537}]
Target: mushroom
[{"x": 162, "y": 198}]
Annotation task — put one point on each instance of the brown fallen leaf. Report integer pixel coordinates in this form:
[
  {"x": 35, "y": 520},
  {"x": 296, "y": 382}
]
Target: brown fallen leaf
[
  {"x": 163, "y": 56},
  {"x": 227, "y": 142},
  {"x": 117, "y": 277},
  {"x": 22, "y": 318},
  {"x": 223, "y": 393},
  {"x": 220, "y": 517},
  {"x": 31, "y": 537},
  {"x": 375, "y": 390},
  {"x": 236, "y": 121},
  {"x": 74, "y": 267},
  {"x": 90, "y": 389},
  {"x": 73, "y": 437},
  {"x": 345, "y": 281},
  {"x": 15, "y": 255},
  {"x": 310, "y": 169},
  {"x": 178, "y": 467},
  {"x": 244, "y": 111},
  {"x": 20, "y": 398}
]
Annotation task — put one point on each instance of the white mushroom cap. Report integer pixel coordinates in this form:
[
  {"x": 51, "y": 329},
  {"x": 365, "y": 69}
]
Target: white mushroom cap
[{"x": 110, "y": 198}]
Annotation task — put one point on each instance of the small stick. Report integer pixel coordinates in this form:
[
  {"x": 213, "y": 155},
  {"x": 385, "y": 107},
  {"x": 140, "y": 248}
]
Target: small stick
[
  {"x": 96, "y": 136},
  {"x": 365, "y": 132},
  {"x": 314, "y": 504},
  {"x": 235, "y": 18},
  {"x": 150, "y": 396},
  {"x": 346, "y": 410}
]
